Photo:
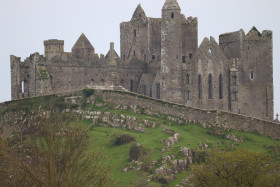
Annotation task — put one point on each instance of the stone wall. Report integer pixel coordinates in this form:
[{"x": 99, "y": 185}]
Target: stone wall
[{"x": 207, "y": 118}]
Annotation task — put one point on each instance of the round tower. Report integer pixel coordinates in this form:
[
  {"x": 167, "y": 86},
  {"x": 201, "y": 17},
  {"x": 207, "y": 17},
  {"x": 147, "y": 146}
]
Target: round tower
[{"x": 171, "y": 52}]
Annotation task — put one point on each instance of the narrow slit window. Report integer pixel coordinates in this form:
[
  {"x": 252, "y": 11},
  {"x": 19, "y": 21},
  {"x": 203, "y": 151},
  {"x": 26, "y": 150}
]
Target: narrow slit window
[
  {"x": 22, "y": 87},
  {"x": 158, "y": 90},
  {"x": 172, "y": 15},
  {"x": 134, "y": 32},
  {"x": 131, "y": 85},
  {"x": 190, "y": 56},
  {"x": 188, "y": 79},
  {"x": 220, "y": 86},
  {"x": 188, "y": 95},
  {"x": 199, "y": 87},
  {"x": 210, "y": 94},
  {"x": 184, "y": 59},
  {"x": 252, "y": 75},
  {"x": 234, "y": 95},
  {"x": 234, "y": 80}
]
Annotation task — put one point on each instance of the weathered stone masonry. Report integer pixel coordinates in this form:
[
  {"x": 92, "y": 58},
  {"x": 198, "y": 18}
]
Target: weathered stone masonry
[
  {"x": 207, "y": 118},
  {"x": 160, "y": 58}
]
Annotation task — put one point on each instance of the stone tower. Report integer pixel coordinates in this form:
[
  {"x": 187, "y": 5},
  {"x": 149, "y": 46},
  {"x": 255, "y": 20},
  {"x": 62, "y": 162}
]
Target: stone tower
[
  {"x": 171, "y": 52},
  {"x": 53, "y": 48}
]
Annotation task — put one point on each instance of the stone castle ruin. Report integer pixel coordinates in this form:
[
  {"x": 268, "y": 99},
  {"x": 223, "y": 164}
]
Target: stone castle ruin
[{"x": 160, "y": 58}]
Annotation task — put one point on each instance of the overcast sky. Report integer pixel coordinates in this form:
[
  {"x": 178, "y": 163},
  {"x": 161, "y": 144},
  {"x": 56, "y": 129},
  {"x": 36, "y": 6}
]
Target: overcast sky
[{"x": 25, "y": 24}]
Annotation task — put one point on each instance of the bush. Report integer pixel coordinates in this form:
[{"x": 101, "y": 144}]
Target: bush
[
  {"x": 120, "y": 139},
  {"x": 136, "y": 152},
  {"x": 88, "y": 92},
  {"x": 199, "y": 156},
  {"x": 235, "y": 168}
]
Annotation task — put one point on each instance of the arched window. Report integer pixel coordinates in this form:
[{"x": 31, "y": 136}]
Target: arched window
[
  {"x": 220, "y": 86},
  {"x": 172, "y": 15},
  {"x": 210, "y": 94},
  {"x": 199, "y": 87},
  {"x": 188, "y": 79},
  {"x": 22, "y": 87}
]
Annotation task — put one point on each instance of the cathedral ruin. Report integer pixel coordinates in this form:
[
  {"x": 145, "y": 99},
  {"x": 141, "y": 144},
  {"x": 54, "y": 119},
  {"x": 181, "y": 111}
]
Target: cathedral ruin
[{"x": 161, "y": 58}]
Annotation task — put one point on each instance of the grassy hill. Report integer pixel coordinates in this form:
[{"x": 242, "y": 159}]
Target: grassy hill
[{"x": 152, "y": 130}]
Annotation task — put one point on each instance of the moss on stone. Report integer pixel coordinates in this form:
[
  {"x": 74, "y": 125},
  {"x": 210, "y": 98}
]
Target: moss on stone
[{"x": 43, "y": 73}]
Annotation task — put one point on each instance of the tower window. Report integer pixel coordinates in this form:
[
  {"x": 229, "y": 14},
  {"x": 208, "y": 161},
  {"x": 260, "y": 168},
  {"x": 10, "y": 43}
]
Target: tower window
[
  {"x": 234, "y": 80},
  {"x": 252, "y": 75},
  {"x": 190, "y": 56},
  {"x": 220, "y": 86},
  {"x": 158, "y": 90},
  {"x": 172, "y": 15},
  {"x": 131, "y": 85},
  {"x": 134, "y": 32},
  {"x": 134, "y": 54},
  {"x": 151, "y": 92},
  {"x": 210, "y": 94},
  {"x": 139, "y": 15},
  {"x": 184, "y": 59},
  {"x": 199, "y": 87},
  {"x": 234, "y": 98},
  {"x": 188, "y": 95},
  {"x": 153, "y": 57},
  {"x": 188, "y": 79},
  {"x": 22, "y": 87}
]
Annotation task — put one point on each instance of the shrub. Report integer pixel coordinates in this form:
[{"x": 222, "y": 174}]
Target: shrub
[
  {"x": 120, "y": 139},
  {"x": 88, "y": 92},
  {"x": 199, "y": 156},
  {"x": 136, "y": 152}
]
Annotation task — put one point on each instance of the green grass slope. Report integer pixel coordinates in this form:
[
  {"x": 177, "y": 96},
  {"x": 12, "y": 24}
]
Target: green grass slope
[{"x": 192, "y": 135}]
